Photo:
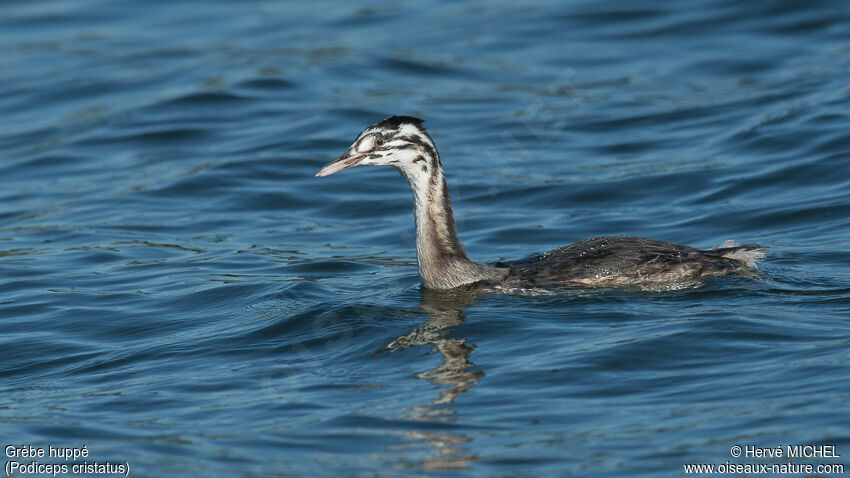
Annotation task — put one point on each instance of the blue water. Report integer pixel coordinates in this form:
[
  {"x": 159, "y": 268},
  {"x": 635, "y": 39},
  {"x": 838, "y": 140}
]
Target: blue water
[{"x": 178, "y": 292}]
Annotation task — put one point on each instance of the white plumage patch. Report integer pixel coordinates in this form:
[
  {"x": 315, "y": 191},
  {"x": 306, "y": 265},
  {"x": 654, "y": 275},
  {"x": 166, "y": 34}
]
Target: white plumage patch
[
  {"x": 747, "y": 256},
  {"x": 366, "y": 144}
]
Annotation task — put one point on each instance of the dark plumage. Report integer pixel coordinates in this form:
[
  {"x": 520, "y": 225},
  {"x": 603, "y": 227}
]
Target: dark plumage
[
  {"x": 403, "y": 143},
  {"x": 393, "y": 122},
  {"x": 623, "y": 261}
]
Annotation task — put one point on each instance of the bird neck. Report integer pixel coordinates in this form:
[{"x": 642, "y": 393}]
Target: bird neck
[{"x": 440, "y": 255}]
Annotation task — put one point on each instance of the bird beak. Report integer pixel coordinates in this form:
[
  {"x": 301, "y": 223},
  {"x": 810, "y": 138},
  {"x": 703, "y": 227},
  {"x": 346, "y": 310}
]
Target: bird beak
[{"x": 347, "y": 160}]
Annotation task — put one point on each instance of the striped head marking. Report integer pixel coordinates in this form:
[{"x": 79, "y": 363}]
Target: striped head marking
[{"x": 397, "y": 141}]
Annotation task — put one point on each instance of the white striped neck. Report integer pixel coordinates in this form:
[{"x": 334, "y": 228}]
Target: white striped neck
[
  {"x": 402, "y": 142},
  {"x": 441, "y": 258}
]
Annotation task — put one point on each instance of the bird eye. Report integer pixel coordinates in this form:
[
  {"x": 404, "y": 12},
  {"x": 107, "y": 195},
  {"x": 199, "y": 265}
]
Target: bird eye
[{"x": 379, "y": 140}]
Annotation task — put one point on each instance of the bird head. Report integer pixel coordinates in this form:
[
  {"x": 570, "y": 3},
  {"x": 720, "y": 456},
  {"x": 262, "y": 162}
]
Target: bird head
[{"x": 398, "y": 141}]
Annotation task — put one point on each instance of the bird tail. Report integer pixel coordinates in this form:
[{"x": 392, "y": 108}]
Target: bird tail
[{"x": 747, "y": 253}]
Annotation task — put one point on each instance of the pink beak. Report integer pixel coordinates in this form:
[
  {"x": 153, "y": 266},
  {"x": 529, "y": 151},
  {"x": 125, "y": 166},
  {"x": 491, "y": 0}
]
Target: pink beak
[{"x": 347, "y": 160}]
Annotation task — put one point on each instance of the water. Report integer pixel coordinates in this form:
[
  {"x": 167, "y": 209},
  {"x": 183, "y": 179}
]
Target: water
[{"x": 181, "y": 294}]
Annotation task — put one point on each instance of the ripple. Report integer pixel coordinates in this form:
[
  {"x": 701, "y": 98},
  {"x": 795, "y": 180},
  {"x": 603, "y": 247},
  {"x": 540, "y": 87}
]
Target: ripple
[
  {"x": 203, "y": 98},
  {"x": 267, "y": 84}
]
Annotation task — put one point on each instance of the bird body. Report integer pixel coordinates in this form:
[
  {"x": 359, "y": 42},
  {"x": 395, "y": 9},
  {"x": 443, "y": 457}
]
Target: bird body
[{"x": 612, "y": 261}]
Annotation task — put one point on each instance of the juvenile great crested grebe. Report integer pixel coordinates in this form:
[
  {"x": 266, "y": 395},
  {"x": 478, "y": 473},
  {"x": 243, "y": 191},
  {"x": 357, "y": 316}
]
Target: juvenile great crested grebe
[{"x": 611, "y": 261}]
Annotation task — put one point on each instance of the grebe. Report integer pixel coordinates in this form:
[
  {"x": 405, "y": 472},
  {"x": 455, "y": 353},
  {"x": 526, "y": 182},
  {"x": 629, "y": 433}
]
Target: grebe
[{"x": 612, "y": 261}]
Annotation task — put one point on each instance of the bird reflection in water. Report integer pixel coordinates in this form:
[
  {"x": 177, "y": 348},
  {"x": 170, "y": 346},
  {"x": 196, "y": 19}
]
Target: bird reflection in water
[{"x": 444, "y": 313}]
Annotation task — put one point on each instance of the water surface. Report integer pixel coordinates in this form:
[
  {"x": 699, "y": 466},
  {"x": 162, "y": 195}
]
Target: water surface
[{"x": 180, "y": 293}]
